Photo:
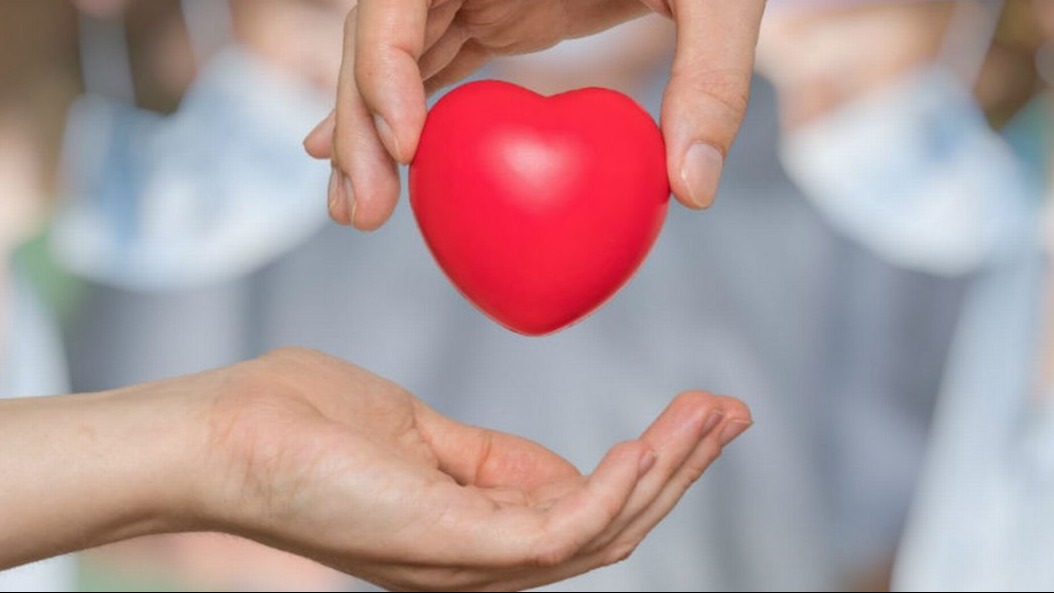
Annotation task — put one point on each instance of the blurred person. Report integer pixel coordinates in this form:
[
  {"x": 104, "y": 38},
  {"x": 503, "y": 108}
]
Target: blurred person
[
  {"x": 159, "y": 76},
  {"x": 700, "y": 312},
  {"x": 901, "y": 157},
  {"x": 892, "y": 146},
  {"x": 893, "y": 150},
  {"x": 36, "y": 84},
  {"x": 31, "y": 359},
  {"x": 155, "y": 205},
  {"x": 994, "y": 435}
]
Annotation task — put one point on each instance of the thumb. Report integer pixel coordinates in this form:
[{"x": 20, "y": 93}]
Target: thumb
[{"x": 708, "y": 91}]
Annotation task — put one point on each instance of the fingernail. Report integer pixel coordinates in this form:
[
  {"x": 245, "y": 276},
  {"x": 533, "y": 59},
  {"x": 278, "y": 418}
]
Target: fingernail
[
  {"x": 732, "y": 430},
  {"x": 349, "y": 197},
  {"x": 701, "y": 173},
  {"x": 712, "y": 421},
  {"x": 332, "y": 191},
  {"x": 647, "y": 461},
  {"x": 391, "y": 143}
]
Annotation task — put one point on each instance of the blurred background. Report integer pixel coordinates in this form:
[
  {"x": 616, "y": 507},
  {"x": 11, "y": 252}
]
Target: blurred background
[{"x": 158, "y": 216}]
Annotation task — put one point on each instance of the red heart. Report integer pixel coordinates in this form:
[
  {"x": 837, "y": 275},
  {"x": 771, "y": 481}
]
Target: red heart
[{"x": 538, "y": 208}]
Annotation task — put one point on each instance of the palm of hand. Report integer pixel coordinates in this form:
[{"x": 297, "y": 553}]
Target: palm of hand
[
  {"x": 336, "y": 464},
  {"x": 324, "y": 439}
]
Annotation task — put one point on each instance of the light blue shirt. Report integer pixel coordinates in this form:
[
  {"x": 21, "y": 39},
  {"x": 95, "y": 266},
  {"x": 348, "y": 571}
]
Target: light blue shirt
[{"x": 984, "y": 515}]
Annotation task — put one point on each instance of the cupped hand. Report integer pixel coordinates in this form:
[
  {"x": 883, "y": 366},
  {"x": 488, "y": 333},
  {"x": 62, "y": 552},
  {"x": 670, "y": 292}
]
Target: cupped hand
[
  {"x": 398, "y": 51},
  {"x": 326, "y": 460}
]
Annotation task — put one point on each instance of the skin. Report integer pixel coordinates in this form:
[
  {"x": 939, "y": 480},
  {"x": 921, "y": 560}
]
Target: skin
[
  {"x": 306, "y": 453},
  {"x": 811, "y": 53},
  {"x": 302, "y": 39},
  {"x": 314, "y": 456},
  {"x": 812, "y": 57},
  {"x": 398, "y": 51}
]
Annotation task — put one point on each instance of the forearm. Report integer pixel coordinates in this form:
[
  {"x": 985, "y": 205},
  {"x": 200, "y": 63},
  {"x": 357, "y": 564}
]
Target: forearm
[{"x": 79, "y": 471}]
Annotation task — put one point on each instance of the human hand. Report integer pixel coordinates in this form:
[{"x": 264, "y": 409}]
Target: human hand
[
  {"x": 331, "y": 462},
  {"x": 308, "y": 454},
  {"x": 397, "y": 51}
]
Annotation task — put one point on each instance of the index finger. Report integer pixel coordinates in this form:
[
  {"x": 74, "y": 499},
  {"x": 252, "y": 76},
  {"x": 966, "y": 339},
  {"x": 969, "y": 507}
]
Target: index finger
[{"x": 389, "y": 39}]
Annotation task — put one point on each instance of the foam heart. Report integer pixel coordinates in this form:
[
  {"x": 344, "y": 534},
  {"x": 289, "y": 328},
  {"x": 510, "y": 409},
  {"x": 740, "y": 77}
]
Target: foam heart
[{"x": 538, "y": 208}]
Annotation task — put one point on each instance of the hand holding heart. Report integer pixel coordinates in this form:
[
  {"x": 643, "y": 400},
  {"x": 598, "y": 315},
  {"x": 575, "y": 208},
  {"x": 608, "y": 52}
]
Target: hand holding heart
[{"x": 396, "y": 51}]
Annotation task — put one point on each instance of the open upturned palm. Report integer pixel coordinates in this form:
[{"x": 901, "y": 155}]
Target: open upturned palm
[{"x": 357, "y": 473}]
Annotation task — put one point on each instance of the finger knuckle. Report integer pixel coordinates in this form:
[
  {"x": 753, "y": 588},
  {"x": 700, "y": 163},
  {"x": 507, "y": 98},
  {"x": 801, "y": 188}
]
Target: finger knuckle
[
  {"x": 718, "y": 96},
  {"x": 611, "y": 508},
  {"x": 695, "y": 468},
  {"x": 729, "y": 88}
]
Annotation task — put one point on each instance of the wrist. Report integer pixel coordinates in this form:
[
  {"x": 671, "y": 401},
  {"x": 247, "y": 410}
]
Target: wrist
[
  {"x": 80, "y": 471},
  {"x": 149, "y": 437},
  {"x": 202, "y": 476},
  {"x": 228, "y": 458}
]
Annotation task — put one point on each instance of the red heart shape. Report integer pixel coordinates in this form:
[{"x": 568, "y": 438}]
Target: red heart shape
[{"x": 538, "y": 208}]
